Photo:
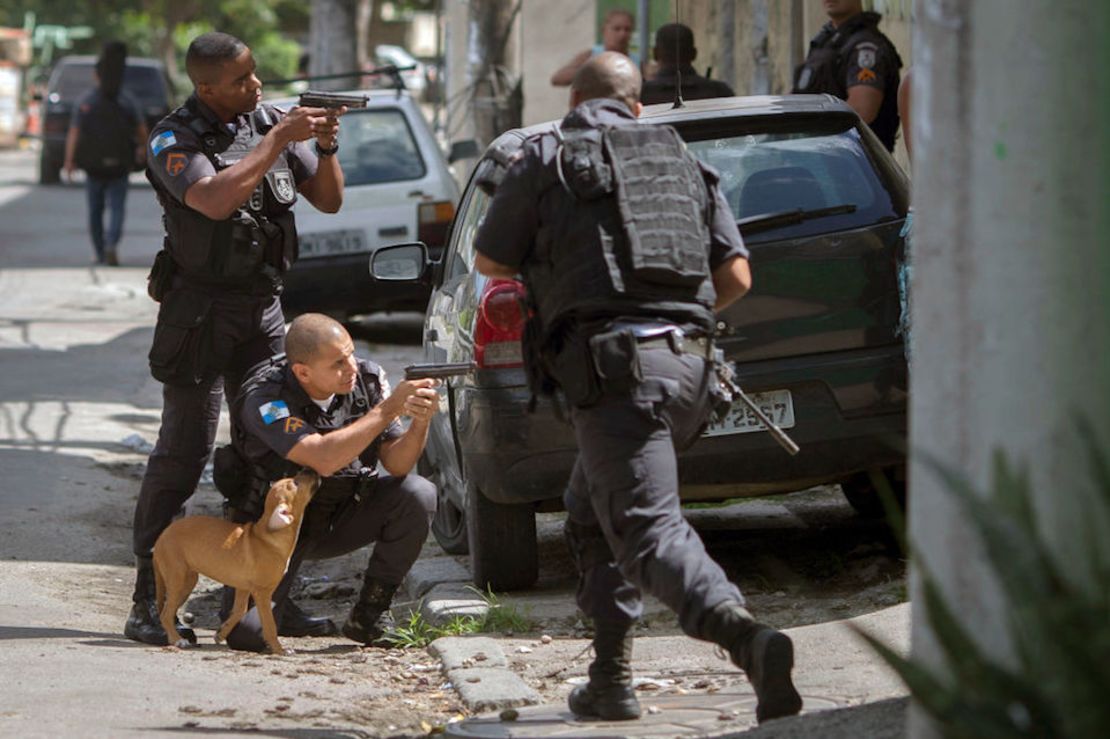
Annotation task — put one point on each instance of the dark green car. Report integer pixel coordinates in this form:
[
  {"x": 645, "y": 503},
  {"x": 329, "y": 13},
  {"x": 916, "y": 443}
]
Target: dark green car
[{"x": 820, "y": 203}]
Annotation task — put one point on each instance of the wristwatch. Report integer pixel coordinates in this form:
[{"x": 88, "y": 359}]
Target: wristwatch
[{"x": 322, "y": 152}]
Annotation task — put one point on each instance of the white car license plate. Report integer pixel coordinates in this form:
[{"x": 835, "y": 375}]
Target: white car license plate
[
  {"x": 777, "y": 404},
  {"x": 329, "y": 243}
]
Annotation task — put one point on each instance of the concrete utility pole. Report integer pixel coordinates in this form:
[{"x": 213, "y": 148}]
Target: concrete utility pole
[
  {"x": 494, "y": 101},
  {"x": 1011, "y": 283},
  {"x": 336, "y": 31}
]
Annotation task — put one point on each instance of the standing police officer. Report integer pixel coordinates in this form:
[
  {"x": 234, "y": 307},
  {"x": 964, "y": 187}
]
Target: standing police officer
[
  {"x": 226, "y": 171},
  {"x": 852, "y": 59},
  {"x": 319, "y": 406},
  {"x": 627, "y": 247}
]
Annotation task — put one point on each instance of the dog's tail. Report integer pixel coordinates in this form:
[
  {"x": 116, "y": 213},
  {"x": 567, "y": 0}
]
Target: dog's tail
[{"x": 233, "y": 537}]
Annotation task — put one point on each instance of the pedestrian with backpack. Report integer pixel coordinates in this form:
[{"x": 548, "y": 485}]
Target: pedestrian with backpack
[{"x": 104, "y": 140}]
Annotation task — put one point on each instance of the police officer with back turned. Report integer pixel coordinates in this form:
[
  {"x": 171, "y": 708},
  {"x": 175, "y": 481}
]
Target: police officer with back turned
[
  {"x": 627, "y": 247},
  {"x": 852, "y": 59},
  {"x": 226, "y": 171}
]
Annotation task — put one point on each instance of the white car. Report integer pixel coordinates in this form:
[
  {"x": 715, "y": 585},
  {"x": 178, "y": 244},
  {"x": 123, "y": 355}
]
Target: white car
[{"x": 399, "y": 188}]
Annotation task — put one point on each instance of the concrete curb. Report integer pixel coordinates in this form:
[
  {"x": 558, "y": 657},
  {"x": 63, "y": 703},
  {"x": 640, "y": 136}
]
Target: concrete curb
[{"x": 478, "y": 671}]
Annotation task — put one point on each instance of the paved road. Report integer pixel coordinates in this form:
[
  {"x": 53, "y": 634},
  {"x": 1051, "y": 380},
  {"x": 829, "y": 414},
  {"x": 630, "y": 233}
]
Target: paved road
[{"x": 77, "y": 407}]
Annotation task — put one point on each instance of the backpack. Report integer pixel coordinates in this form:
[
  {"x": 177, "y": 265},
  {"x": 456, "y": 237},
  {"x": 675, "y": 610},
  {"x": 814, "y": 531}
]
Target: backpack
[{"x": 106, "y": 146}]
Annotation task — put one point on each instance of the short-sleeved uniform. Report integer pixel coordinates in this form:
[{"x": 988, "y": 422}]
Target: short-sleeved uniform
[
  {"x": 855, "y": 54},
  {"x": 223, "y": 331},
  {"x": 354, "y": 507},
  {"x": 624, "y": 523}
]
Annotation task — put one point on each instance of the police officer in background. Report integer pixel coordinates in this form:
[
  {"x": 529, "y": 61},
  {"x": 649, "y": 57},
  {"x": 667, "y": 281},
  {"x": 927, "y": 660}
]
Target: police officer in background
[
  {"x": 626, "y": 257},
  {"x": 226, "y": 171},
  {"x": 319, "y": 406},
  {"x": 851, "y": 59},
  {"x": 675, "y": 52}
]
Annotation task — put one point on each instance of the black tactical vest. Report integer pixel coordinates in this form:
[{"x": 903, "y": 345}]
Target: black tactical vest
[
  {"x": 633, "y": 237},
  {"x": 272, "y": 466},
  {"x": 258, "y": 243},
  {"x": 826, "y": 65}
]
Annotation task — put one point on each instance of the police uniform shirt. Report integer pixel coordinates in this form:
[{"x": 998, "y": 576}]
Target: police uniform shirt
[
  {"x": 177, "y": 158},
  {"x": 519, "y": 208},
  {"x": 275, "y": 416},
  {"x": 661, "y": 88},
  {"x": 869, "y": 61}
]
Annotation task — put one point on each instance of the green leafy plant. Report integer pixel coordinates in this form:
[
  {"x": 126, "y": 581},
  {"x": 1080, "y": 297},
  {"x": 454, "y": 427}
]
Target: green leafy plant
[
  {"x": 1058, "y": 620},
  {"x": 417, "y": 631}
]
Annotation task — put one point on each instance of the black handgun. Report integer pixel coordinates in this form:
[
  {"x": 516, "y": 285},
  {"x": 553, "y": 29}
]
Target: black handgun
[
  {"x": 331, "y": 100},
  {"x": 438, "y": 371}
]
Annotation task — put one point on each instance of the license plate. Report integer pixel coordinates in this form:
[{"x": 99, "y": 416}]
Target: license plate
[
  {"x": 776, "y": 404},
  {"x": 329, "y": 243}
]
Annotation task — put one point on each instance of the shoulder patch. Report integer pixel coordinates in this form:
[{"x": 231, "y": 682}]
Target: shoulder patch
[
  {"x": 275, "y": 410},
  {"x": 865, "y": 55},
  {"x": 175, "y": 163},
  {"x": 866, "y": 75},
  {"x": 293, "y": 425},
  {"x": 161, "y": 142}
]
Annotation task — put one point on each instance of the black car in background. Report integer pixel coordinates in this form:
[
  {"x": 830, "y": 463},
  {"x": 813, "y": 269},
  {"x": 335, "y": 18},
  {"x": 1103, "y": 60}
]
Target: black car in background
[
  {"x": 820, "y": 203},
  {"x": 73, "y": 76}
]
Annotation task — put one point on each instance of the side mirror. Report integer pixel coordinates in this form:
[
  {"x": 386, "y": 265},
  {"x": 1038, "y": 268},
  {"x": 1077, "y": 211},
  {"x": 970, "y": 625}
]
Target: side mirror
[
  {"x": 400, "y": 262},
  {"x": 465, "y": 149}
]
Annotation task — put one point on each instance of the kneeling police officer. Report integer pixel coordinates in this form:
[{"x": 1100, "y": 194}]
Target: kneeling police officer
[
  {"x": 319, "y": 406},
  {"x": 627, "y": 247},
  {"x": 226, "y": 171}
]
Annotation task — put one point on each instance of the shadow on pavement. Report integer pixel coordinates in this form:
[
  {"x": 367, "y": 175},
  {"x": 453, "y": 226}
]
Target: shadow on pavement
[{"x": 45, "y": 632}]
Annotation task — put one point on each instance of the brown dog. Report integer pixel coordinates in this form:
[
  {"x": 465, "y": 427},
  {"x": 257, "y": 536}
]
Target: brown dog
[{"x": 251, "y": 557}]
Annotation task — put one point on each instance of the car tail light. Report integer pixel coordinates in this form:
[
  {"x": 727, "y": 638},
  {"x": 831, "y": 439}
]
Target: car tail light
[
  {"x": 433, "y": 222},
  {"x": 500, "y": 324}
]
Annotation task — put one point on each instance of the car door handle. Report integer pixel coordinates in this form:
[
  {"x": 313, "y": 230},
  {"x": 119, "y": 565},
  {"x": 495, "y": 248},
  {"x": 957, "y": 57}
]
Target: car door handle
[
  {"x": 416, "y": 194},
  {"x": 390, "y": 231}
]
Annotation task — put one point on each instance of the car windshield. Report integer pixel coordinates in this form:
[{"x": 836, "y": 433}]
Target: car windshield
[
  {"x": 377, "y": 146},
  {"x": 812, "y": 171},
  {"x": 142, "y": 83}
]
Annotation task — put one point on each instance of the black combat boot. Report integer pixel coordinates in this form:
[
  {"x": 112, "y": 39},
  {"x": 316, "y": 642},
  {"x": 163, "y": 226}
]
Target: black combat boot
[
  {"x": 295, "y": 622},
  {"x": 144, "y": 623},
  {"x": 370, "y": 618},
  {"x": 764, "y": 654},
  {"x": 609, "y": 693}
]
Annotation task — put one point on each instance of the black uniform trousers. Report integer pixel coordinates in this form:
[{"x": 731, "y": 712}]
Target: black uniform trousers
[
  {"x": 243, "y": 329},
  {"x": 624, "y": 523},
  {"x": 395, "y": 515}
]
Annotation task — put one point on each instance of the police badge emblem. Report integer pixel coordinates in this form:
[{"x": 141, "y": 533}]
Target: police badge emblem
[
  {"x": 866, "y": 57},
  {"x": 282, "y": 182}
]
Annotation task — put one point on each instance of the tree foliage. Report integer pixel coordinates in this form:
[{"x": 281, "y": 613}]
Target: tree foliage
[{"x": 164, "y": 28}]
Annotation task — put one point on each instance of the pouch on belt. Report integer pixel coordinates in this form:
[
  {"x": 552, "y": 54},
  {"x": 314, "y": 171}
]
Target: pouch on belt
[{"x": 179, "y": 352}]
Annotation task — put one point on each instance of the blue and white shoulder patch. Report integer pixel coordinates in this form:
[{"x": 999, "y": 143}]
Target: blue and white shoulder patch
[
  {"x": 161, "y": 142},
  {"x": 275, "y": 410}
]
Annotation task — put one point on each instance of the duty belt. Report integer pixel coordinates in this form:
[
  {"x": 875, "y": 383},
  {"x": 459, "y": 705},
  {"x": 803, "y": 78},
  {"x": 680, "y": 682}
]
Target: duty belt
[{"x": 679, "y": 343}]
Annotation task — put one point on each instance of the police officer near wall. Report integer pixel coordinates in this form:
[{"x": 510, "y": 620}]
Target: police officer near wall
[
  {"x": 319, "y": 406},
  {"x": 852, "y": 59},
  {"x": 226, "y": 171},
  {"x": 675, "y": 52},
  {"x": 627, "y": 247}
]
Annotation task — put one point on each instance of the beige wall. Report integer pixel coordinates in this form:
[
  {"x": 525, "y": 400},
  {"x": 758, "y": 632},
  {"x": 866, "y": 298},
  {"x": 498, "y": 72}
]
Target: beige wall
[{"x": 551, "y": 33}]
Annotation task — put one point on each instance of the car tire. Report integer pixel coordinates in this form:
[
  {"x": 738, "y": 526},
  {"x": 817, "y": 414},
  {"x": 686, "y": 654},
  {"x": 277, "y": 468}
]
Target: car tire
[
  {"x": 863, "y": 496},
  {"x": 503, "y": 552},
  {"x": 50, "y": 173},
  {"x": 449, "y": 525}
]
